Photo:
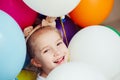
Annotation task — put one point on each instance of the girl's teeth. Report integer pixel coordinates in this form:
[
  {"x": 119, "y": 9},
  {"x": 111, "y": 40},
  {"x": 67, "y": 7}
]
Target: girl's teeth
[{"x": 60, "y": 60}]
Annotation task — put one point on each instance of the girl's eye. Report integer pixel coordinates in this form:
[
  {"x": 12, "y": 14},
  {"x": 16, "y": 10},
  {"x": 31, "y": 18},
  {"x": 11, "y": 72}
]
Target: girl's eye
[
  {"x": 45, "y": 51},
  {"x": 59, "y": 43}
]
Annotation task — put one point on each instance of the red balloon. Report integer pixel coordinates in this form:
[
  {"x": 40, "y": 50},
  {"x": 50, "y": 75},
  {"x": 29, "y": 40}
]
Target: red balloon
[{"x": 23, "y": 15}]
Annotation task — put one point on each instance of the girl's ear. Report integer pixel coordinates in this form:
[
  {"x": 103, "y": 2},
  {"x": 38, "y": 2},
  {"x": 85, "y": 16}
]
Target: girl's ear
[{"x": 35, "y": 62}]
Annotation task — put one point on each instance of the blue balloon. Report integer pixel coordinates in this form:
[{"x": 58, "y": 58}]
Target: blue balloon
[{"x": 12, "y": 47}]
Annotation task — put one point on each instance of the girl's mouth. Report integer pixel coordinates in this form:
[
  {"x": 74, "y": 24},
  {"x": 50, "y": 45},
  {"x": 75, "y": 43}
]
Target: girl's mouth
[{"x": 60, "y": 60}]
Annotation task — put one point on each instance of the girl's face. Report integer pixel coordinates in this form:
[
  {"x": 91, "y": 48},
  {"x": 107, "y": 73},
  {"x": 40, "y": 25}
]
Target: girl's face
[{"x": 50, "y": 51}]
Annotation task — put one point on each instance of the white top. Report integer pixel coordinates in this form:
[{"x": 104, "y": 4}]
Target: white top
[{"x": 40, "y": 77}]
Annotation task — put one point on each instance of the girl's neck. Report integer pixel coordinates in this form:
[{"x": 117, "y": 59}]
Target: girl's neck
[{"x": 43, "y": 74}]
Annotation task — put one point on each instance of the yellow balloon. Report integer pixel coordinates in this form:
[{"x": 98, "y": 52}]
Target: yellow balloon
[{"x": 27, "y": 75}]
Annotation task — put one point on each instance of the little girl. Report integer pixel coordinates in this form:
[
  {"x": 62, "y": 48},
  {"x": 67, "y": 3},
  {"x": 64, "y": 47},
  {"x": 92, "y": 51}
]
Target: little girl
[{"x": 47, "y": 49}]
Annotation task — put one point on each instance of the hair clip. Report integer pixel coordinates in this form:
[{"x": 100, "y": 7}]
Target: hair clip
[
  {"x": 49, "y": 21},
  {"x": 28, "y": 31}
]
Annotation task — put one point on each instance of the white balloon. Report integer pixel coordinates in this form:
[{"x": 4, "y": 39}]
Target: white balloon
[
  {"x": 75, "y": 71},
  {"x": 117, "y": 77},
  {"x": 53, "y": 8},
  {"x": 98, "y": 46}
]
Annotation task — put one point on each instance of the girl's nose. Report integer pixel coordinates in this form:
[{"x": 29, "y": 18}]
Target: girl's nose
[{"x": 56, "y": 52}]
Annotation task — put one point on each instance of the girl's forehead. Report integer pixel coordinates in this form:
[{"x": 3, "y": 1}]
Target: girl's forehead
[
  {"x": 45, "y": 35},
  {"x": 40, "y": 31},
  {"x": 48, "y": 32},
  {"x": 47, "y": 40},
  {"x": 48, "y": 35}
]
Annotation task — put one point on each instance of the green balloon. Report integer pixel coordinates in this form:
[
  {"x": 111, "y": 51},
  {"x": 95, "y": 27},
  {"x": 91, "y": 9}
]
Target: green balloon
[{"x": 115, "y": 30}]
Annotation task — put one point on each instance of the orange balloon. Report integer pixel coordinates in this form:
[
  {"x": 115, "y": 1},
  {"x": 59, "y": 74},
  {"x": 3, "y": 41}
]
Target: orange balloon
[{"x": 91, "y": 12}]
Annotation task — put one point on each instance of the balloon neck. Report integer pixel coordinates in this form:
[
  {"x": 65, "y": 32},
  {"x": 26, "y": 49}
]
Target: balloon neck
[{"x": 63, "y": 18}]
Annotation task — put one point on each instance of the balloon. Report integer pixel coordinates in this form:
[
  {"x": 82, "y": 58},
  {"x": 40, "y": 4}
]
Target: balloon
[
  {"x": 12, "y": 47},
  {"x": 53, "y": 7},
  {"x": 91, "y": 12},
  {"x": 27, "y": 75},
  {"x": 75, "y": 71},
  {"x": 117, "y": 77},
  {"x": 23, "y": 15},
  {"x": 99, "y": 46},
  {"x": 115, "y": 30},
  {"x": 69, "y": 26}
]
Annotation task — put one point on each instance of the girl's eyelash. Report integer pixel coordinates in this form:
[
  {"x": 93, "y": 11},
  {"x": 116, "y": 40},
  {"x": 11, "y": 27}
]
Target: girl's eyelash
[
  {"x": 59, "y": 43},
  {"x": 45, "y": 51}
]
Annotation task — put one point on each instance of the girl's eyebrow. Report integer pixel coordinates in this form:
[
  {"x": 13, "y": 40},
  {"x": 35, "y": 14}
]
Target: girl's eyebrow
[
  {"x": 43, "y": 48},
  {"x": 59, "y": 39},
  {"x": 48, "y": 46}
]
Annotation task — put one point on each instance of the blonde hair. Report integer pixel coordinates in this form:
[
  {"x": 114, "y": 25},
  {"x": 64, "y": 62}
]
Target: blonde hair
[{"x": 34, "y": 35}]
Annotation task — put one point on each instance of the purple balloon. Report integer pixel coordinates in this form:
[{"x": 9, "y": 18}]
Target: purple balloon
[{"x": 69, "y": 26}]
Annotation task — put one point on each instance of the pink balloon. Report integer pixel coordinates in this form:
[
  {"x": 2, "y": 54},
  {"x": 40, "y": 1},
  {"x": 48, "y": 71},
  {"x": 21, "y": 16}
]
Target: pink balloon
[{"x": 23, "y": 15}]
